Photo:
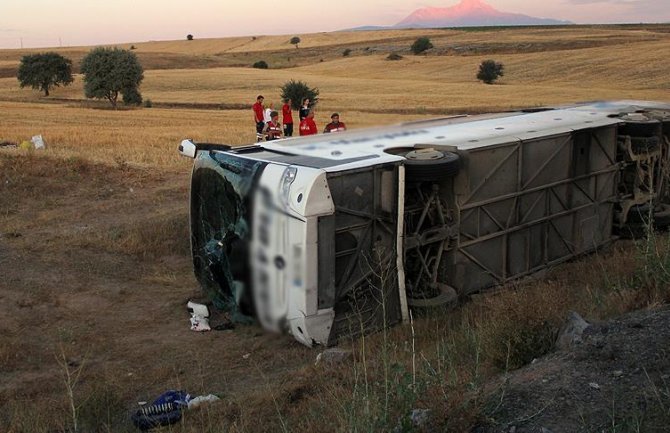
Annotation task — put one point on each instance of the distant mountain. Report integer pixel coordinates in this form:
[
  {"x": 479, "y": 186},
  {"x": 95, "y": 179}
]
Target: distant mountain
[{"x": 470, "y": 13}]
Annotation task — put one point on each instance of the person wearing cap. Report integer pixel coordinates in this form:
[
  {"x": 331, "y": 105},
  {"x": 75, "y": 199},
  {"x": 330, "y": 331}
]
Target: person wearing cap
[
  {"x": 287, "y": 118},
  {"x": 258, "y": 117},
  {"x": 307, "y": 125},
  {"x": 335, "y": 125},
  {"x": 272, "y": 129}
]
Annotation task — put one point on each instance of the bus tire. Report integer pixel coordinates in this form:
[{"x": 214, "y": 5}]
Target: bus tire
[
  {"x": 648, "y": 128},
  {"x": 436, "y": 166}
]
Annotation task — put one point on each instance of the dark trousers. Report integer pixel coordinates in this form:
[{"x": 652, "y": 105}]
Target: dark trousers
[{"x": 288, "y": 130}]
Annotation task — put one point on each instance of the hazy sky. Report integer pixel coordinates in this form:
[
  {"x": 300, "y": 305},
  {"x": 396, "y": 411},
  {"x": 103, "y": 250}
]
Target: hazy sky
[{"x": 41, "y": 23}]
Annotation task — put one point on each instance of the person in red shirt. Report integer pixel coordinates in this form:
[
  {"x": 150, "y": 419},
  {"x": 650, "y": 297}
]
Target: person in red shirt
[
  {"x": 335, "y": 125},
  {"x": 287, "y": 117},
  {"x": 272, "y": 129},
  {"x": 307, "y": 125},
  {"x": 258, "y": 117}
]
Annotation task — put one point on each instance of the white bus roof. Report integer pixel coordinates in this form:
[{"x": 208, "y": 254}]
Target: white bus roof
[{"x": 364, "y": 147}]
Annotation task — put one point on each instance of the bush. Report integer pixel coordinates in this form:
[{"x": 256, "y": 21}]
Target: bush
[
  {"x": 110, "y": 71},
  {"x": 346, "y": 52},
  {"x": 44, "y": 71},
  {"x": 296, "y": 91},
  {"x": 148, "y": 103},
  {"x": 295, "y": 41},
  {"x": 489, "y": 71},
  {"x": 189, "y": 37},
  {"x": 394, "y": 56},
  {"x": 133, "y": 47},
  {"x": 261, "y": 64},
  {"x": 420, "y": 45}
]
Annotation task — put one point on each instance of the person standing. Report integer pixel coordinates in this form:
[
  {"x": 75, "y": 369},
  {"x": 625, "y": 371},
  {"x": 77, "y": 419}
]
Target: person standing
[
  {"x": 307, "y": 125},
  {"x": 287, "y": 118},
  {"x": 258, "y": 117},
  {"x": 335, "y": 125},
  {"x": 272, "y": 129},
  {"x": 267, "y": 114},
  {"x": 304, "y": 109}
]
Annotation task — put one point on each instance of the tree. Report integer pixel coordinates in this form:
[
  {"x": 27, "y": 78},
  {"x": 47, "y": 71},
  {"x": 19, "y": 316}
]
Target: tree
[
  {"x": 189, "y": 37},
  {"x": 110, "y": 71},
  {"x": 296, "y": 91},
  {"x": 420, "y": 45},
  {"x": 489, "y": 71},
  {"x": 45, "y": 71},
  {"x": 295, "y": 41},
  {"x": 261, "y": 64}
]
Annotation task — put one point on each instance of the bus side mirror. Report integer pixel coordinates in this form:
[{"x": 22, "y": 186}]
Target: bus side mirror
[{"x": 188, "y": 148}]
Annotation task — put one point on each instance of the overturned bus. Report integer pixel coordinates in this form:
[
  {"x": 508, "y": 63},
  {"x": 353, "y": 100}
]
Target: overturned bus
[{"x": 333, "y": 235}]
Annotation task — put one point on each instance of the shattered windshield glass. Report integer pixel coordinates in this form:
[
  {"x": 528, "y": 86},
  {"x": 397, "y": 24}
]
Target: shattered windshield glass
[{"x": 221, "y": 196}]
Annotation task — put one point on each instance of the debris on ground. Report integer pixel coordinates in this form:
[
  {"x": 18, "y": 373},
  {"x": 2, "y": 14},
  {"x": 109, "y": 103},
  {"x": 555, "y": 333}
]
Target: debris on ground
[
  {"x": 38, "y": 142},
  {"x": 165, "y": 410},
  {"x": 333, "y": 355},
  {"x": 202, "y": 399},
  {"x": 199, "y": 317}
]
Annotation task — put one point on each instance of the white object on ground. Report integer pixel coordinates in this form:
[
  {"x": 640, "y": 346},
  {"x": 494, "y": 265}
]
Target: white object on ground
[
  {"x": 197, "y": 401},
  {"x": 38, "y": 142},
  {"x": 199, "y": 317}
]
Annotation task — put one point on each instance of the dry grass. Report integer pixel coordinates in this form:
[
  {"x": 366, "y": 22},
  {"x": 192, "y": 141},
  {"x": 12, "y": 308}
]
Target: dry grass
[{"x": 93, "y": 240}]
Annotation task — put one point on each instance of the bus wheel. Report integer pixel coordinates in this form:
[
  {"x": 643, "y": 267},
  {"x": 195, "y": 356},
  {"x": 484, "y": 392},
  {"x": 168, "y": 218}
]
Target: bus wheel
[
  {"x": 446, "y": 296},
  {"x": 429, "y": 165}
]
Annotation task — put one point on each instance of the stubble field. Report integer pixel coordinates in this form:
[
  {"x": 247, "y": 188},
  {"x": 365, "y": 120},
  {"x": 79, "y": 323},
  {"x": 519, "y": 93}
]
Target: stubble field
[{"x": 94, "y": 255}]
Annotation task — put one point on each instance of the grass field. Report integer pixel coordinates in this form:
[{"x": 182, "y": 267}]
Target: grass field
[{"x": 94, "y": 255}]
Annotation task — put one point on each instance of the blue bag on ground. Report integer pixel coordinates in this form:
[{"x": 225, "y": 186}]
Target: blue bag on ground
[{"x": 165, "y": 410}]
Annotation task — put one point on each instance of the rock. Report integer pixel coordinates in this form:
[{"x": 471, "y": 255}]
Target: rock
[
  {"x": 334, "y": 355},
  {"x": 571, "y": 333},
  {"x": 594, "y": 385},
  {"x": 617, "y": 373},
  {"x": 416, "y": 419},
  {"x": 419, "y": 417}
]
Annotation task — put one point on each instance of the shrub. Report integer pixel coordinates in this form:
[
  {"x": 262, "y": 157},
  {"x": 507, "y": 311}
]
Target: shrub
[
  {"x": 189, "y": 37},
  {"x": 295, "y": 41},
  {"x": 394, "y": 56},
  {"x": 44, "y": 71},
  {"x": 296, "y": 91},
  {"x": 148, "y": 103},
  {"x": 346, "y": 52},
  {"x": 421, "y": 44},
  {"x": 110, "y": 71},
  {"x": 261, "y": 64},
  {"x": 133, "y": 47},
  {"x": 489, "y": 71}
]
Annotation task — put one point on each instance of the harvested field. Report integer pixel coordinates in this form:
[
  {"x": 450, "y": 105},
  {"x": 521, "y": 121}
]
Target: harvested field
[{"x": 94, "y": 252}]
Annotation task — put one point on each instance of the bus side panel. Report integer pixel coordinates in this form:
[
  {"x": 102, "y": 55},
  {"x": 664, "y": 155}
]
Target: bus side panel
[{"x": 530, "y": 204}]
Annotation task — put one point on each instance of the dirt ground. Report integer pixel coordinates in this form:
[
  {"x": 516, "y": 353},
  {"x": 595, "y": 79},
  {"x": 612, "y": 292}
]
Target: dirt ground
[
  {"x": 616, "y": 380},
  {"x": 95, "y": 265}
]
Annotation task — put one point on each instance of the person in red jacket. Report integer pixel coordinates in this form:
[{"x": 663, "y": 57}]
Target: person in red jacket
[
  {"x": 335, "y": 125},
  {"x": 287, "y": 118},
  {"x": 272, "y": 129},
  {"x": 258, "y": 117},
  {"x": 307, "y": 125}
]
